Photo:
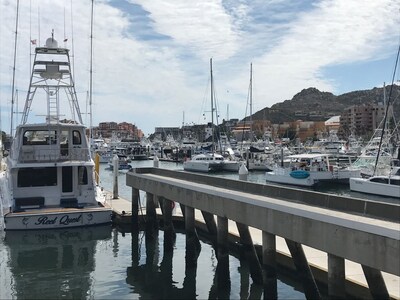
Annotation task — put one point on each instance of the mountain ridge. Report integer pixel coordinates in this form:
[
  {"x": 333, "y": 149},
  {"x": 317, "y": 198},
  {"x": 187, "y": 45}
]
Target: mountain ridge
[{"x": 310, "y": 104}]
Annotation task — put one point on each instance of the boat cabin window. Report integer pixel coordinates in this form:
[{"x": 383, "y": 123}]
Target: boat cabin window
[
  {"x": 31, "y": 177},
  {"x": 82, "y": 175},
  {"x": 40, "y": 137},
  {"x": 380, "y": 180},
  {"x": 395, "y": 182},
  {"x": 76, "y": 137}
]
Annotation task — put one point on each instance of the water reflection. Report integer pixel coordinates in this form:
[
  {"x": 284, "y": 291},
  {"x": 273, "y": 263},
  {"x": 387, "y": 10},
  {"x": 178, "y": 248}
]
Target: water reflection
[
  {"x": 103, "y": 263},
  {"x": 53, "y": 263},
  {"x": 152, "y": 273}
]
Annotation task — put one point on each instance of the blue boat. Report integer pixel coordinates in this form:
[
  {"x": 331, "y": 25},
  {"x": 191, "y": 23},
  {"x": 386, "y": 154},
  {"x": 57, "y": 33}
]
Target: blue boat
[{"x": 299, "y": 174}]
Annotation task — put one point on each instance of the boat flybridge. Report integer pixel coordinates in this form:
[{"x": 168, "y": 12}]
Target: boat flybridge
[{"x": 50, "y": 181}]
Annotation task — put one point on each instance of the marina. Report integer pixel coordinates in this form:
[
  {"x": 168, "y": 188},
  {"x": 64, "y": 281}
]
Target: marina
[
  {"x": 103, "y": 212},
  {"x": 104, "y": 249}
]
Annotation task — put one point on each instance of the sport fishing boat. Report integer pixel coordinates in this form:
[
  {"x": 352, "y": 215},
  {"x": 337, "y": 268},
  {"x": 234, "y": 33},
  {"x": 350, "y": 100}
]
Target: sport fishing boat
[{"x": 49, "y": 181}]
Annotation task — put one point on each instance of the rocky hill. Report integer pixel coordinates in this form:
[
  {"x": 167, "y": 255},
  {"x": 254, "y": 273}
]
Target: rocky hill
[{"x": 313, "y": 105}]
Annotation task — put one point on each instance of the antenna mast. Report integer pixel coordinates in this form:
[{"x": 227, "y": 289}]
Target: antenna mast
[
  {"x": 13, "y": 78},
  {"x": 91, "y": 74}
]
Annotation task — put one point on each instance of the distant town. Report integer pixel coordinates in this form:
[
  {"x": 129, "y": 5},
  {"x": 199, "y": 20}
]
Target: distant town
[{"x": 358, "y": 120}]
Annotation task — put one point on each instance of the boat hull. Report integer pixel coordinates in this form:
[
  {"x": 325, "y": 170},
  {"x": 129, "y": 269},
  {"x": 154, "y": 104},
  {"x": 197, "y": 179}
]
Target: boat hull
[
  {"x": 202, "y": 166},
  {"x": 54, "y": 218},
  {"x": 363, "y": 185},
  {"x": 287, "y": 179}
]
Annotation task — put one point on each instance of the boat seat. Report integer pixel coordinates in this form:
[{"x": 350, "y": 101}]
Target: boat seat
[{"x": 28, "y": 202}]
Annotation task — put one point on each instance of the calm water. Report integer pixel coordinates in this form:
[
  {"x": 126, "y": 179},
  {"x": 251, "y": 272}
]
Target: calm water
[{"x": 99, "y": 263}]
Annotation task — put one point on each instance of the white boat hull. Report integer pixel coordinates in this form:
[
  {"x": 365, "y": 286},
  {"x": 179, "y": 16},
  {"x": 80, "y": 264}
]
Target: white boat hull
[
  {"x": 283, "y": 176},
  {"x": 202, "y": 166},
  {"x": 54, "y": 218},
  {"x": 231, "y": 166},
  {"x": 286, "y": 179},
  {"x": 363, "y": 185}
]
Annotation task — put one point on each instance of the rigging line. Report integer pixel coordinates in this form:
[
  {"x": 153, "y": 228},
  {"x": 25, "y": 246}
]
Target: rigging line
[{"x": 387, "y": 109}]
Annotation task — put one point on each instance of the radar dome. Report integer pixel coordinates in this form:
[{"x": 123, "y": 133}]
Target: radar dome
[{"x": 51, "y": 43}]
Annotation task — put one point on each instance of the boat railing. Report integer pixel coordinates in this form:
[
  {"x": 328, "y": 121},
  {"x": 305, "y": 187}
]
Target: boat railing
[{"x": 52, "y": 154}]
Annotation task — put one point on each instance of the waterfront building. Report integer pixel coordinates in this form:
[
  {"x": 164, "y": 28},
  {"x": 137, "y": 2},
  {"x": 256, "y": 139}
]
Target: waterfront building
[{"x": 362, "y": 119}]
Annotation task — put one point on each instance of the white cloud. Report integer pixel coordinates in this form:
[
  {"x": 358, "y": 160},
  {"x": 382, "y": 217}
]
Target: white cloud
[{"x": 149, "y": 68}]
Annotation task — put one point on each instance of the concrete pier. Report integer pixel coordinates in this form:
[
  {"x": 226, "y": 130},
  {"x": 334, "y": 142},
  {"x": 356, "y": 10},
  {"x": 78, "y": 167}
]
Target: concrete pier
[{"x": 319, "y": 223}]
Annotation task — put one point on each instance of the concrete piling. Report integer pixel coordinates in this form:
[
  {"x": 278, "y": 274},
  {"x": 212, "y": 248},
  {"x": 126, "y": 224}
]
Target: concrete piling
[
  {"x": 135, "y": 208},
  {"x": 223, "y": 277},
  {"x": 376, "y": 283},
  {"x": 115, "y": 176},
  {"x": 191, "y": 238},
  {"x": 156, "y": 161},
  {"x": 270, "y": 267},
  {"x": 151, "y": 215},
  {"x": 211, "y": 227},
  {"x": 169, "y": 230},
  {"x": 250, "y": 253},
  {"x": 300, "y": 261},
  {"x": 243, "y": 172},
  {"x": 336, "y": 277}
]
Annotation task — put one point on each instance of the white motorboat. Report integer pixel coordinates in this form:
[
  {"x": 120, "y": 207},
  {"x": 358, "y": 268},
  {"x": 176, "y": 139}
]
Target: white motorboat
[
  {"x": 49, "y": 181},
  {"x": 204, "y": 162},
  {"x": 123, "y": 163},
  {"x": 381, "y": 185},
  {"x": 308, "y": 170}
]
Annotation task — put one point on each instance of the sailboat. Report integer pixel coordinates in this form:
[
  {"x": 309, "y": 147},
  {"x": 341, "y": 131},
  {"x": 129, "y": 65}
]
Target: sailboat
[
  {"x": 210, "y": 161},
  {"x": 256, "y": 158},
  {"x": 49, "y": 181}
]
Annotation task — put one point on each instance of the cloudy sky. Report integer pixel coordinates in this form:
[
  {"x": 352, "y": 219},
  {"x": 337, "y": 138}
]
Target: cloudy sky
[{"x": 151, "y": 62}]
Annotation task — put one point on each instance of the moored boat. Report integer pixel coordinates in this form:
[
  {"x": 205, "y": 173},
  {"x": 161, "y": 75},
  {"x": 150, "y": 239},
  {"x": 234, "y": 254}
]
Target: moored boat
[
  {"x": 49, "y": 181},
  {"x": 382, "y": 185},
  {"x": 205, "y": 162},
  {"x": 308, "y": 170}
]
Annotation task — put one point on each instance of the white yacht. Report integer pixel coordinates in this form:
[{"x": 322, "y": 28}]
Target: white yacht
[
  {"x": 308, "y": 170},
  {"x": 205, "y": 162},
  {"x": 382, "y": 185},
  {"x": 49, "y": 181}
]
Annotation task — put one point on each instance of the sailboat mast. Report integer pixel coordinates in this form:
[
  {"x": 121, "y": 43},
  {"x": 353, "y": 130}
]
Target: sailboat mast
[
  {"x": 251, "y": 102},
  {"x": 212, "y": 104}
]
